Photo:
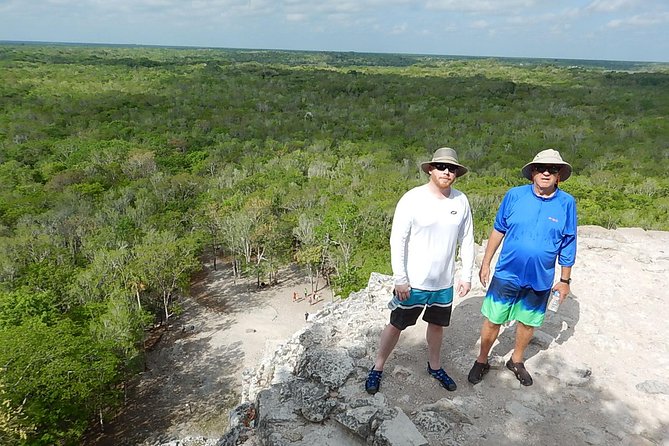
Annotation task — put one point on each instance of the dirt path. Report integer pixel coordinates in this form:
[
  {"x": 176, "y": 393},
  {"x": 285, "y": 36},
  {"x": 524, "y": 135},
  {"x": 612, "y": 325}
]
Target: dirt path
[{"x": 194, "y": 374}]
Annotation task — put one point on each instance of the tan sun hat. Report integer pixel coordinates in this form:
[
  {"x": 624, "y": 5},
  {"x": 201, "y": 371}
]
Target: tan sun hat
[
  {"x": 548, "y": 156},
  {"x": 445, "y": 155}
]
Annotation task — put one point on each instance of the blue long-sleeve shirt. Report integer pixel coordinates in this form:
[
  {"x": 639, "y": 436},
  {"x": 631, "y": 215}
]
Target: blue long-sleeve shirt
[{"x": 537, "y": 231}]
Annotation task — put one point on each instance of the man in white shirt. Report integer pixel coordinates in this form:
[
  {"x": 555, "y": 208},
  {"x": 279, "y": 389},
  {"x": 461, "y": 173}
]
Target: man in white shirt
[{"x": 429, "y": 223}]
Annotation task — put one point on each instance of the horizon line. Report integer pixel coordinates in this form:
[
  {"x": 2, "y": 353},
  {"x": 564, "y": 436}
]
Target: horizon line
[{"x": 144, "y": 45}]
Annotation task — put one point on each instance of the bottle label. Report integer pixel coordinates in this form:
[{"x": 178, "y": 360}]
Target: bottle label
[{"x": 554, "y": 301}]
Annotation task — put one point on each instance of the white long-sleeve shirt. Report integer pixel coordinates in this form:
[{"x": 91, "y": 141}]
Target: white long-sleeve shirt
[{"x": 424, "y": 237}]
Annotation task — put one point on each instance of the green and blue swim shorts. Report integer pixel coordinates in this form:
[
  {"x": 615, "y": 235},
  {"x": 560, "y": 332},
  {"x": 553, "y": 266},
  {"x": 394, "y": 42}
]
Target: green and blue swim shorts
[{"x": 506, "y": 301}]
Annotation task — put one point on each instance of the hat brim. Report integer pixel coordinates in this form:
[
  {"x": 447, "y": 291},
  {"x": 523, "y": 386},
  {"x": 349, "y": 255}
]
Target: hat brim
[{"x": 565, "y": 170}]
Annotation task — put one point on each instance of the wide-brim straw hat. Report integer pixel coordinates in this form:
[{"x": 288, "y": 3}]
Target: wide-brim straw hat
[
  {"x": 445, "y": 155},
  {"x": 548, "y": 156}
]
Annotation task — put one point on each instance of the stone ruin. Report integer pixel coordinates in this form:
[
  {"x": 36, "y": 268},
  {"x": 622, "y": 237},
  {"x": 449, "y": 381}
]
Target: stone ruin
[{"x": 310, "y": 390}]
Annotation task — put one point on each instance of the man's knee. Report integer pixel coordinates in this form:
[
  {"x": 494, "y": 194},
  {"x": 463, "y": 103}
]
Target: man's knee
[
  {"x": 434, "y": 329},
  {"x": 523, "y": 326},
  {"x": 392, "y": 329},
  {"x": 490, "y": 325}
]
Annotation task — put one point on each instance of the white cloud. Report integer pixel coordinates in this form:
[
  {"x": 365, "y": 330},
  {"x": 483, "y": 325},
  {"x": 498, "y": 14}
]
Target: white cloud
[
  {"x": 551, "y": 18},
  {"x": 611, "y": 5},
  {"x": 560, "y": 28},
  {"x": 639, "y": 21},
  {"x": 295, "y": 17},
  {"x": 479, "y": 6},
  {"x": 399, "y": 29}
]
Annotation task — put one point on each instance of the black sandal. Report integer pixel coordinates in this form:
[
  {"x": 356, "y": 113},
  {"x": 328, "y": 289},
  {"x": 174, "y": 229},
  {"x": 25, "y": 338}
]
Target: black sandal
[
  {"x": 522, "y": 375},
  {"x": 476, "y": 373}
]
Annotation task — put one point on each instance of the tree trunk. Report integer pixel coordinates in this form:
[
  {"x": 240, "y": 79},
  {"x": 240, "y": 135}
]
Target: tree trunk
[
  {"x": 166, "y": 303},
  {"x": 139, "y": 302}
]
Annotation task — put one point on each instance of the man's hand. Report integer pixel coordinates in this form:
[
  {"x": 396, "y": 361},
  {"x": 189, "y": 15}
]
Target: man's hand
[
  {"x": 484, "y": 274},
  {"x": 494, "y": 241},
  {"x": 563, "y": 289},
  {"x": 463, "y": 288},
  {"x": 402, "y": 291}
]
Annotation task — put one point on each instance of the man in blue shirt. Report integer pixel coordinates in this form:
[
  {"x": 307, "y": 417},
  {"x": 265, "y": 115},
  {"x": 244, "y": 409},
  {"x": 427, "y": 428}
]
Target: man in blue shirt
[{"x": 538, "y": 225}]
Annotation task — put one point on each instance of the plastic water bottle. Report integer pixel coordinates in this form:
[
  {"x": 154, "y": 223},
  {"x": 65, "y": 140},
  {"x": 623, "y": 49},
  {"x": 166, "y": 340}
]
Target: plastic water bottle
[
  {"x": 554, "y": 301},
  {"x": 394, "y": 302}
]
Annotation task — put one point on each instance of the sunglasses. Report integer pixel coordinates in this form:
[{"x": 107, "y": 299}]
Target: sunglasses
[
  {"x": 452, "y": 168},
  {"x": 552, "y": 169}
]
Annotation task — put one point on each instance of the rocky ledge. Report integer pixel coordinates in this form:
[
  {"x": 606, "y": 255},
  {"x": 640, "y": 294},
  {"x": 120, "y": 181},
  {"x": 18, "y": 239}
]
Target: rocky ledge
[{"x": 309, "y": 391}]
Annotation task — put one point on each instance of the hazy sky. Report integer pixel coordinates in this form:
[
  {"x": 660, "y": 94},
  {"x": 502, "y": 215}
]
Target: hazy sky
[{"x": 572, "y": 29}]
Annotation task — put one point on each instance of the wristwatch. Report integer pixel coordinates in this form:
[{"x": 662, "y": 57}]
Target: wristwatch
[{"x": 567, "y": 281}]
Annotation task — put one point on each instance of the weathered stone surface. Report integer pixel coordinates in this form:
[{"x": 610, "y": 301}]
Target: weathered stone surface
[
  {"x": 313, "y": 400},
  {"x": 523, "y": 413},
  {"x": 653, "y": 387},
  {"x": 542, "y": 339},
  {"x": 592, "y": 435},
  {"x": 398, "y": 431},
  {"x": 236, "y": 436},
  {"x": 308, "y": 391},
  {"x": 329, "y": 433},
  {"x": 431, "y": 421},
  {"x": 275, "y": 406},
  {"x": 358, "y": 419},
  {"x": 325, "y": 365},
  {"x": 330, "y": 366},
  {"x": 451, "y": 409}
]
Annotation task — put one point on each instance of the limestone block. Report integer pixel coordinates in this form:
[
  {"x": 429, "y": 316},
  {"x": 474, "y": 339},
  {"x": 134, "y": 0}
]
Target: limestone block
[
  {"x": 358, "y": 419},
  {"x": 330, "y": 366},
  {"x": 398, "y": 431}
]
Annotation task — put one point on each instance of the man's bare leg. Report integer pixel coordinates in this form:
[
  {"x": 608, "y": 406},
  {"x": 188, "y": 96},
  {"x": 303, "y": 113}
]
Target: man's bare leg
[
  {"x": 389, "y": 337},
  {"x": 489, "y": 333},
  {"x": 434, "y": 336},
  {"x": 524, "y": 335}
]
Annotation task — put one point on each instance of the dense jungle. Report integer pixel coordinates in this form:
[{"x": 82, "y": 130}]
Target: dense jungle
[{"x": 121, "y": 168}]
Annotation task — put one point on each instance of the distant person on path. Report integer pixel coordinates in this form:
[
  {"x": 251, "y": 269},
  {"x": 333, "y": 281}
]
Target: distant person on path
[
  {"x": 538, "y": 225},
  {"x": 429, "y": 223}
]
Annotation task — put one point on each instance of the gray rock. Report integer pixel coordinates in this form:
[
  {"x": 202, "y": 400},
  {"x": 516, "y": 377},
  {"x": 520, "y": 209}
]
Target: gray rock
[
  {"x": 243, "y": 415},
  {"x": 451, "y": 410},
  {"x": 273, "y": 406},
  {"x": 358, "y": 419},
  {"x": 398, "y": 431},
  {"x": 236, "y": 436},
  {"x": 653, "y": 387},
  {"x": 330, "y": 366},
  {"x": 523, "y": 413},
  {"x": 313, "y": 400},
  {"x": 429, "y": 421},
  {"x": 592, "y": 435}
]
